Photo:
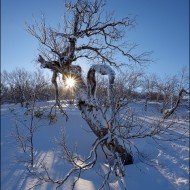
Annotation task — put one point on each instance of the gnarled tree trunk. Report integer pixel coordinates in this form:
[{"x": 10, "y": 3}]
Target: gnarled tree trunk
[
  {"x": 86, "y": 102},
  {"x": 170, "y": 111}
]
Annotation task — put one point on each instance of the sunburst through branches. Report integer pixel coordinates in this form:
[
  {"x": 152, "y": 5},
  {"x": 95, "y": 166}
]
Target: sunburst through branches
[{"x": 70, "y": 82}]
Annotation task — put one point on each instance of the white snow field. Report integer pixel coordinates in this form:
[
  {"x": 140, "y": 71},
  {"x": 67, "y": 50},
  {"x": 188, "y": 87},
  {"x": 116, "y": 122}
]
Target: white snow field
[{"x": 165, "y": 166}]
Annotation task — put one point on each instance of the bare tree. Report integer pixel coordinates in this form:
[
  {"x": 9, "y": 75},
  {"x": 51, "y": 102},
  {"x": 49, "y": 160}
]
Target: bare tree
[
  {"x": 175, "y": 88},
  {"x": 16, "y": 82},
  {"x": 149, "y": 87},
  {"x": 18, "y": 85},
  {"x": 88, "y": 33},
  {"x": 130, "y": 81},
  {"x": 5, "y": 92},
  {"x": 125, "y": 87},
  {"x": 24, "y": 132},
  {"x": 169, "y": 91}
]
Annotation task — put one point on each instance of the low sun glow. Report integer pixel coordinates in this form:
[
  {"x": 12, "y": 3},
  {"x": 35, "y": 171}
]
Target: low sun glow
[{"x": 70, "y": 82}]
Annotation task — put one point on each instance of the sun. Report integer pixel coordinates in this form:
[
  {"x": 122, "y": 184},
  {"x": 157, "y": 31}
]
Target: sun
[{"x": 70, "y": 82}]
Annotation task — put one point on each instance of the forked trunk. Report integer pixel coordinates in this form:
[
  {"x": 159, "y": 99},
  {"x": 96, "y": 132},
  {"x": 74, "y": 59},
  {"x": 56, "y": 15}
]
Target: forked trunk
[{"x": 86, "y": 102}]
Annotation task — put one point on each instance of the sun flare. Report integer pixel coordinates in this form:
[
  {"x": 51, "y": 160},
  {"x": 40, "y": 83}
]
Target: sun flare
[{"x": 70, "y": 82}]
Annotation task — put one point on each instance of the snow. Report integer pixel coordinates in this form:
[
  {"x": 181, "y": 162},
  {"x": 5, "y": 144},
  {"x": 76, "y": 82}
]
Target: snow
[
  {"x": 162, "y": 165},
  {"x": 103, "y": 69}
]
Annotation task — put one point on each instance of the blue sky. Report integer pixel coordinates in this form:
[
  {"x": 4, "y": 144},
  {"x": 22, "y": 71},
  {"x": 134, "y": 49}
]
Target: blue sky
[{"x": 162, "y": 27}]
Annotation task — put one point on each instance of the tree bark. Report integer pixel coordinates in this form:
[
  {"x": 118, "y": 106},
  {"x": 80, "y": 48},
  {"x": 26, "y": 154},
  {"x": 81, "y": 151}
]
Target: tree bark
[
  {"x": 173, "y": 109},
  {"x": 86, "y": 102}
]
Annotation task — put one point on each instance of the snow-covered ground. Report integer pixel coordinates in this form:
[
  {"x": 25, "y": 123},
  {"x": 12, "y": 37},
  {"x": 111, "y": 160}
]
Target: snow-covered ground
[{"x": 165, "y": 166}]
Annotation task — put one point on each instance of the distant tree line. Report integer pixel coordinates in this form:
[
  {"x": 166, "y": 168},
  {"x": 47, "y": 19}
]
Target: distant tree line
[
  {"x": 137, "y": 85},
  {"x": 19, "y": 85}
]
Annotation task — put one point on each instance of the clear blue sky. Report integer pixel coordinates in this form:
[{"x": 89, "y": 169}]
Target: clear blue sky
[{"x": 162, "y": 27}]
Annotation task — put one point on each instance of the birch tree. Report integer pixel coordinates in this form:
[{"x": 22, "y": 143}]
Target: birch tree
[
  {"x": 174, "y": 89},
  {"x": 88, "y": 33}
]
